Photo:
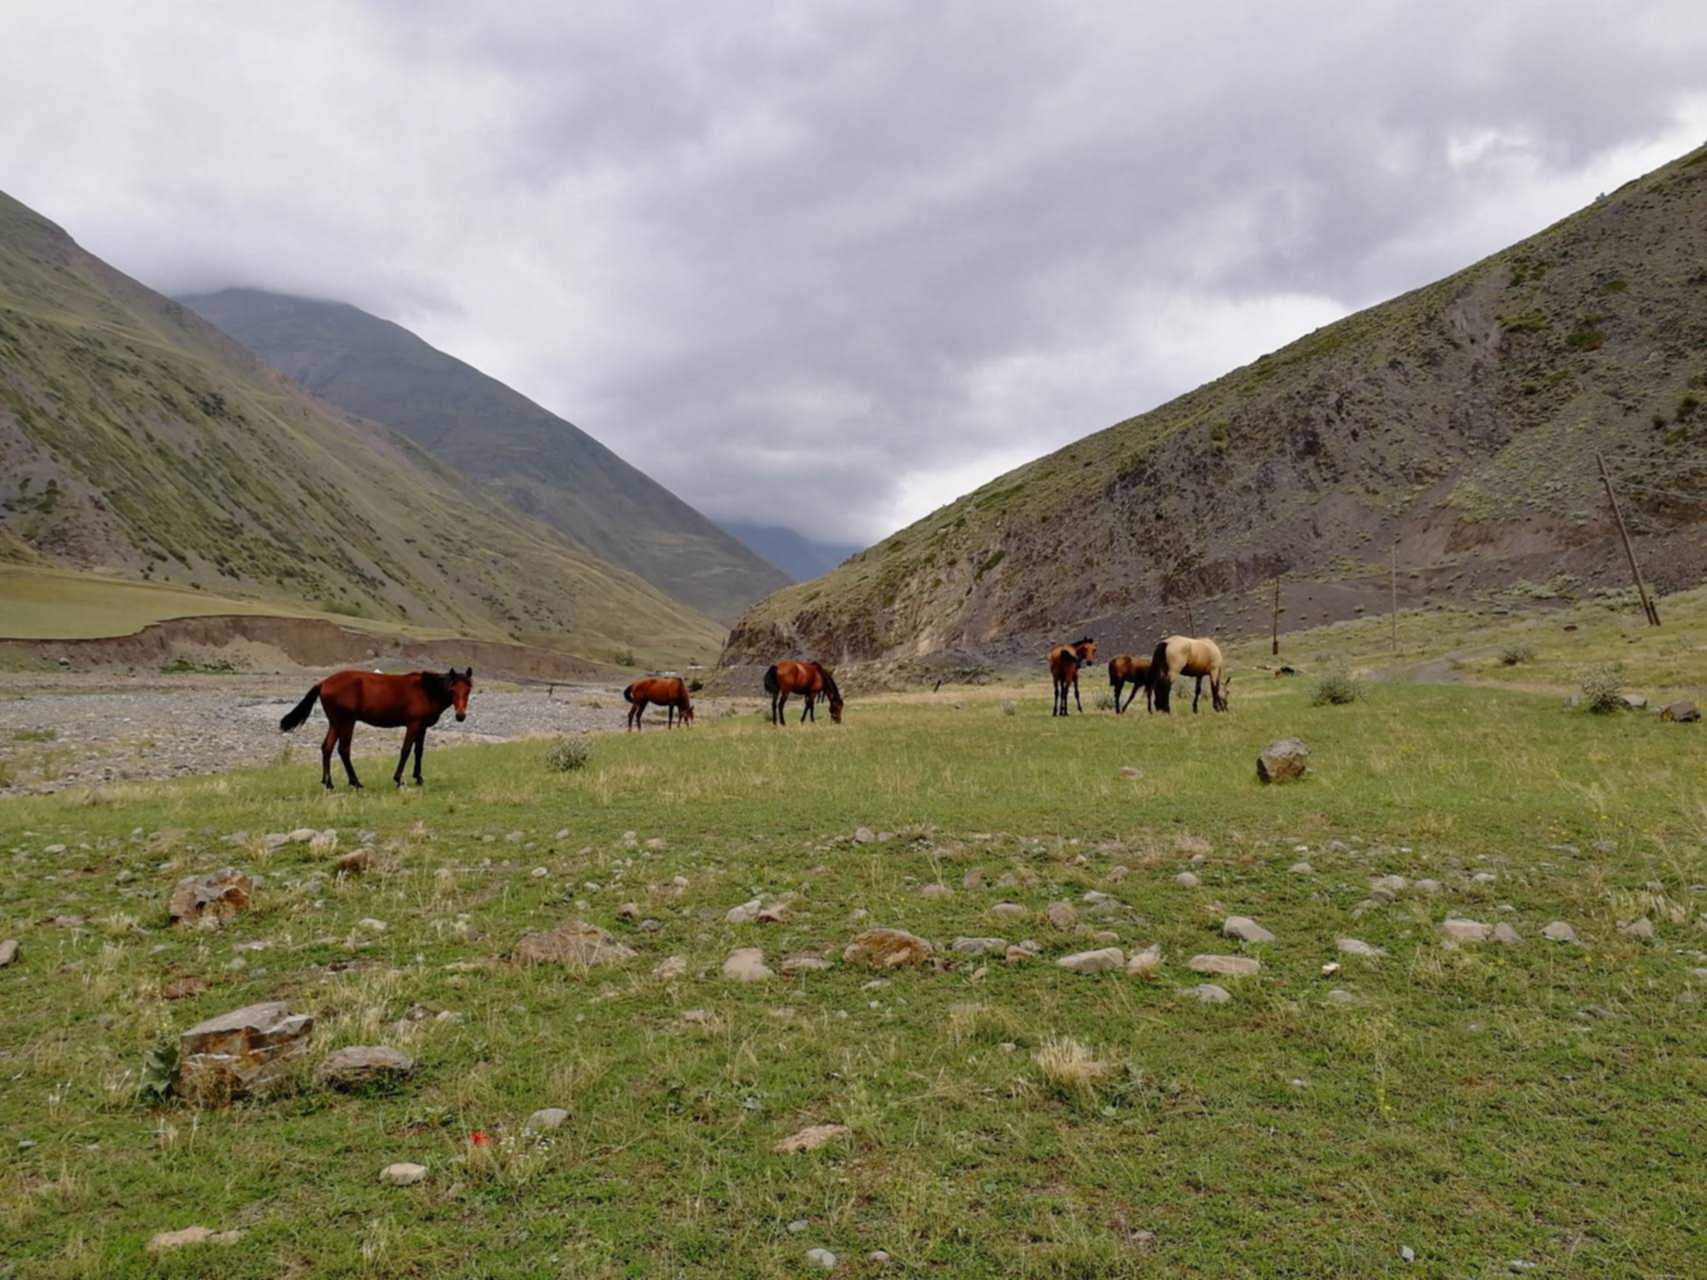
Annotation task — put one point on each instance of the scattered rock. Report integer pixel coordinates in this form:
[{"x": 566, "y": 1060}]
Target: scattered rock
[
  {"x": 166, "y": 1241},
  {"x": 747, "y": 964},
  {"x": 864, "y": 835},
  {"x": 804, "y": 963},
  {"x": 670, "y": 968},
  {"x": 361, "y": 1066},
  {"x": 1484, "y": 877},
  {"x": 810, "y": 1138},
  {"x": 1634, "y": 701},
  {"x": 1284, "y": 760},
  {"x": 354, "y": 863},
  {"x": 1339, "y": 995},
  {"x": 1062, "y": 915},
  {"x": 1227, "y": 966},
  {"x": 182, "y": 988},
  {"x": 1358, "y": 947},
  {"x": 1009, "y": 911},
  {"x": 210, "y": 900},
  {"x": 302, "y": 835},
  {"x": 544, "y": 1120},
  {"x": 8, "y": 952},
  {"x": 1506, "y": 935},
  {"x": 1430, "y": 887},
  {"x": 746, "y": 913},
  {"x": 1682, "y": 712},
  {"x": 577, "y": 944},
  {"x": 1207, "y": 993},
  {"x": 1094, "y": 961},
  {"x": 1245, "y": 929},
  {"x": 1301, "y": 869},
  {"x": 238, "y": 1052},
  {"x": 1457, "y": 930},
  {"x": 887, "y": 949},
  {"x": 1559, "y": 931},
  {"x": 1130, "y": 774},
  {"x": 935, "y": 891},
  {"x": 1641, "y": 928},
  {"x": 402, "y": 1174},
  {"x": 981, "y": 946},
  {"x": 628, "y": 911},
  {"x": 823, "y": 1259},
  {"x": 1146, "y": 963},
  {"x": 1187, "y": 880},
  {"x": 1020, "y": 954}
]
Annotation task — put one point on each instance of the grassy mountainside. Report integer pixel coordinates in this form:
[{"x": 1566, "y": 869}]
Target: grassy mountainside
[
  {"x": 138, "y": 440},
  {"x": 539, "y": 463},
  {"x": 1458, "y": 421}
]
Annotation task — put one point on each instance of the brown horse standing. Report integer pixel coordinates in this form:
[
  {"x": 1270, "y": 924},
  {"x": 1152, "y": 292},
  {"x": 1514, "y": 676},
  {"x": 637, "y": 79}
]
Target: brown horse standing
[
  {"x": 666, "y": 691},
  {"x": 415, "y": 701},
  {"x": 1129, "y": 669},
  {"x": 807, "y": 678},
  {"x": 1064, "y": 663},
  {"x": 1185, "y": 656}
]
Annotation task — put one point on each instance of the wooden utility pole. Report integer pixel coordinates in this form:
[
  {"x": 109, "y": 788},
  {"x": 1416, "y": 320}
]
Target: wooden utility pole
[
  {"x": 1395, "y": 609},
  {"x": 1190, "y": 625},
  {"x": 1276, "y": 649},
  {"x": 1648, "y": 608}
]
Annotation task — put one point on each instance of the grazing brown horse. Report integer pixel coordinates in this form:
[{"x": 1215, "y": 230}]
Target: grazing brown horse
[
  {"x": 807, "y": 678},
  {"x": 415, "y": 701},
  {"x": 1064, "y": 663},
  {"x": 1184, "y": 656},
  {"x": 666, "y": 691},
  {"x": 1129, "y": 669}
]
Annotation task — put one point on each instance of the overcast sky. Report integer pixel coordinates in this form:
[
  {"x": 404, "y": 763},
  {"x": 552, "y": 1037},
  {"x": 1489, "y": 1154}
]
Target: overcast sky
[{"x": 832, "y": 265}]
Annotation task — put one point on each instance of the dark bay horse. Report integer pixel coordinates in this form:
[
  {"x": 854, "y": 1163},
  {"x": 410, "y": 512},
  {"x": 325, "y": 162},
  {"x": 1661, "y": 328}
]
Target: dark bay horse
[
  {"x": 665, "y": 691},
  {"x": 415, "y": 701},
  {"x": 1129, "y": 669},
  {"x": 807, "y": 678},
  {"x": 1064, "y": 663},
  {"x": 1179, "y": 656}
]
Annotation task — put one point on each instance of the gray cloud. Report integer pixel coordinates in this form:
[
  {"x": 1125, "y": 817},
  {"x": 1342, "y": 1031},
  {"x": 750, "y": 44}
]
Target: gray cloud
[{"x": 831, "y": 265}]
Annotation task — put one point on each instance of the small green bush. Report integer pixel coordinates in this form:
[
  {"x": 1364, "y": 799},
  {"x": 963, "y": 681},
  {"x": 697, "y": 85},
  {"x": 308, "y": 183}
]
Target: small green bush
[
  {"x": 1010, "y": 707},
  {"x": 568, "y": 754},
  {"x": 1603, "y": 688},
  {"x": 35, "y": 735},
  {"x": 1336, "y": 689},
  {"x": 694, "y": 686},
  {"x": 1516, "y": 654},
  {"x": 1105, "y": 702}
]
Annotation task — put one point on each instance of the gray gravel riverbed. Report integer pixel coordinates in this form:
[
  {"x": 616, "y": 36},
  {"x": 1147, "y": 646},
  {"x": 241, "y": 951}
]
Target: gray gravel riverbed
[{"x": 76, "y": 731}]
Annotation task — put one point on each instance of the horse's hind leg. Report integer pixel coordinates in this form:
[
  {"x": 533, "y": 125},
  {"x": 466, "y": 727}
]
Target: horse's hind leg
[
  {"x": 403, "y": 759},
  {"x": 345, "y": 733},
  {"x": 1080, "y": 704},
  {"x": 420, "y": 746},
  {"x": 326, "y": 745},
  {"x": 806, "y": 710}
]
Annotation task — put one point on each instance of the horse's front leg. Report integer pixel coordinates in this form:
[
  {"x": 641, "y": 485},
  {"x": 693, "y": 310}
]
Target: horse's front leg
[
  {"x": 420, "y": 745},
  {"x": 403, "y": 756},
  {"x": 326, "y": 745},
  {"x": 806, "y": 710},
  {"x": 344, "y": 735},
  {"x": 1198, "y": 694}
]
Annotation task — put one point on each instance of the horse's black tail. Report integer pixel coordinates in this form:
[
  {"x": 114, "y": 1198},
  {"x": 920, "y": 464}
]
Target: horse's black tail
[
  {"x": 771, "y": 685},
  {"x": 299, "y": 713},
  {"x": 1161, "y": 679},
  {"x": 628, "y": 693}
]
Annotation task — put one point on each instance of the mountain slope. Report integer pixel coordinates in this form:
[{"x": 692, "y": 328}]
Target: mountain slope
[
  {"x": 137, "y": 439},
  {"x": 1459, "y": 421},
  {"x": 795, "y": 554},
  {"x": 539, "y": 463}
]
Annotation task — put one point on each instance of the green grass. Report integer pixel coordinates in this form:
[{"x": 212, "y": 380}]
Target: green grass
[{"x": 1479, "y": 1105}]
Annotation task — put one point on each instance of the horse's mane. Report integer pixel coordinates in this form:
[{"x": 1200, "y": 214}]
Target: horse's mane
[
  {"x": 1082, "y": 640},
  {"x": 435, "y": 684},
  {"x": 829, "y": 683}
]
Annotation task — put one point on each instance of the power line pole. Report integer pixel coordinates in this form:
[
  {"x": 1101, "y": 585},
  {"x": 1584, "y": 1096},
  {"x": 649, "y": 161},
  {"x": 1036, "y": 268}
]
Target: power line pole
[
  {"x": 1653, "y": 614},
  {"x": 1276, "y": 649},
  {"x": 1395, "y": 608}
]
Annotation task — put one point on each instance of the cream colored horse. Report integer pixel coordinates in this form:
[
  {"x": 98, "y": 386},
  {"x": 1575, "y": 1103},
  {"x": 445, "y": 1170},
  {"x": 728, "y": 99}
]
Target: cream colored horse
[{"x": 1189, "y": 656}]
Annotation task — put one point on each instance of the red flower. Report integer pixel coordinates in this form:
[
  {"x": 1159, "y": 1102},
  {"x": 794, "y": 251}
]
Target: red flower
[{"x": 480, "y": 1138}]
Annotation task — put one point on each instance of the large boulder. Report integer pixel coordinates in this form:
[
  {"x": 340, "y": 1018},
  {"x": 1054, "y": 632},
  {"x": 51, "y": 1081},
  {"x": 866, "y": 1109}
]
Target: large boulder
[
  {"x": 210, "y": 900},
  {"x": 1680, "y": 712},
  {"x": 1284, "y": 760},
  {"x": 362, "y": 1066},
  {"x": 241, "y": 1051},
  {"x": 887, "y": 949},
  {"x": 577, "y": 944}
]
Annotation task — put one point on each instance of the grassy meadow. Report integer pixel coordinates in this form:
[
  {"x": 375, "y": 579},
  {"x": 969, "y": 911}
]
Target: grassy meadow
[{"x": 1478, "y": 1106}]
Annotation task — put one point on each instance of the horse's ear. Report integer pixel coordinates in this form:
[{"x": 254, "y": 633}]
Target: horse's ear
[{"x": 470, "y": 674}]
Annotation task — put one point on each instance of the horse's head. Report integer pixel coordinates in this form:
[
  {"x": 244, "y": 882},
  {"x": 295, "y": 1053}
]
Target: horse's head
[
  {"x": 1226, "y": 682},
  {"x": 833, "y": 693},
  {"x": 460, "y": 683},
  {"x": 1086, "y": 651}
]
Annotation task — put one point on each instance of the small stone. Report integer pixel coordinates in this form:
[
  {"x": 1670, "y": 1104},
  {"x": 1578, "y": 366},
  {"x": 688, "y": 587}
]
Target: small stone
[
  {"x": 747, "y": 964},
  {"x": 166, "y": 1241},
  {"x": 1634, "y": 701},
  {"x": 1339, "y": 995},
  {"x": 887, "y": 949},
  {"x": 864, "y": 835},
  {"x": 1407, "y": 1253},
  {"x": 878, "y": 1257},
  {"x": 980, "y": 946},
  {"x": 1484, "y": 877},
  {"x": 804, "y": 963},
  {"x": 1457, "y": 930},
  {"x": 1207, "y": 993},
  {"x": 810, "y": 1138},
  {"x": 1009, "y": 911},
  {"x": 1285, "y": 760},
  {"x": 1146, "y": 963},
  {"x": 935, "y": 891},
  {"x": 1559, "y": 931},
  {"x": 1430, "y": 887},
  {"x": 302, "y": 835},
  {"x": 1358, "y": 947},
  {"x": 354, "y": 863},
  {"x": 361, "y": 1066},
  {"x": 1330, "y": 969},
  {"x": 746, "y": 913},
  {"x": 1020, "y": 954},
  {"x": 1062, "y": 915},
  {"x": 1130, "y": 774},
  {"x": 8, "y": 952},
  {"x": 1226, "y": 966},
  {"x": 1187, "y": 880},
  {"x": 210, "y": 900},
  {"x": 823, "y": 1259},
  {"x": 402, "y": 1174},
  {"x": 670, "y": 968},
  {"x": 372, "y": 925},
  {"x": 1094, "y": 961},
  {"x": 546, "y": 1118},
  {"x": 1506, "y": 935},
  {"x": 797, "y": 1226},
  {"x": 1245, "y": 929},
  {"x": 182, "y": 988},
  {"x": 1301, "y": 869},
  {"x": 1641, "y": 928}
]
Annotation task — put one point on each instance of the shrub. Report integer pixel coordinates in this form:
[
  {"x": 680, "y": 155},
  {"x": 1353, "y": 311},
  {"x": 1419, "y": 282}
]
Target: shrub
[
  {"x": 1105, "y": 702},
  {"x": 625, "y": 658},
  {"x": 1336, "y": 688},
  {"x": 34, "y": 735},
  {"x": 567, "y": 754},
  {"x": 1603, "y": 688},
  {"x": 694, "y": 686},
  {"x": 1010, "y": 707},
  {"x": 1514, "y": 654}
]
